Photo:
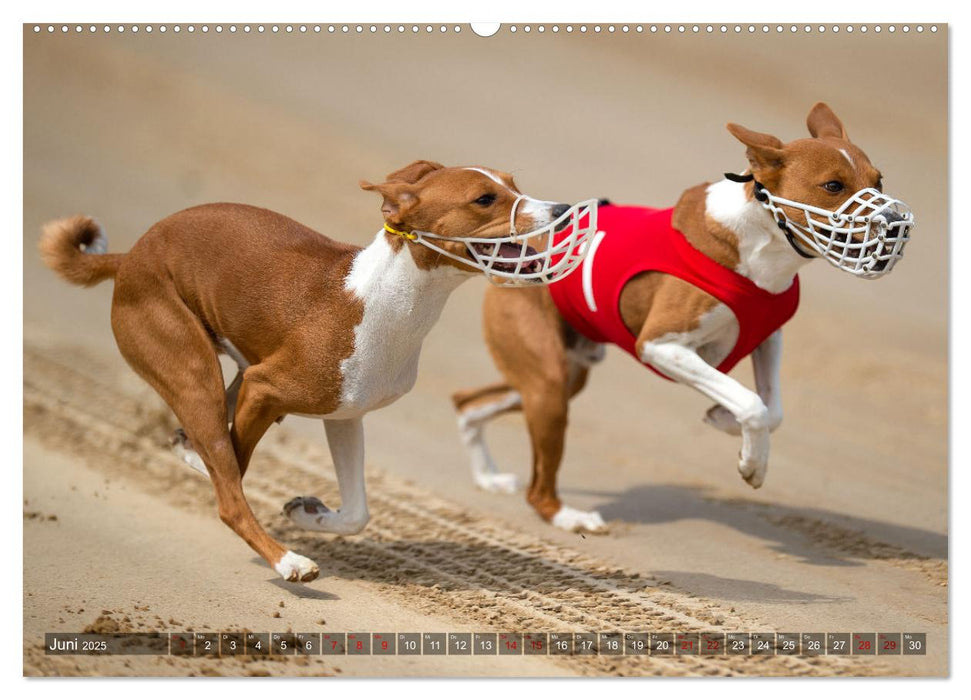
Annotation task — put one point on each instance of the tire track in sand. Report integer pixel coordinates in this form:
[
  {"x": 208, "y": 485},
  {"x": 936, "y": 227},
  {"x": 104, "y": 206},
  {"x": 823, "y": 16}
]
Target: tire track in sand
[{"x": 420, "y": 550}]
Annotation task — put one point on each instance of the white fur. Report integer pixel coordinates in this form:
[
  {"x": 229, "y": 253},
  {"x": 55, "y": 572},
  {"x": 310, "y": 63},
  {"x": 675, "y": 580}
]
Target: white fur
[
  {"x": 847, "y": 156},
  {"x": 682, "y": 363},
  {"x": 401, "y": 304},
  {"x": 766, "y": 362},
  {"x": 767, "y": 365},
  {"x": 765, "y": 256},
  {"x": 346, "y": 441},
  {"x": 471, "y": 425},
  {"x": 294, "y": 567},
  {"x": 233, "y": 352},
  {"x": 574, "y": 520},
  {"x": 585, "y": 353},
  {"x": 190, "y": 457},
  {"x": 492, "y": 176},
  {"x": 541, "y": 211},
  {"x": 713, "y": 338}
]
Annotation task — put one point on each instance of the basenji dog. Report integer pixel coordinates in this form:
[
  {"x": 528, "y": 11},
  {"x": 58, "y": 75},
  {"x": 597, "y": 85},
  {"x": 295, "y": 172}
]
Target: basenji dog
[
  {"x": 317, "y": 327},
  {"x": 688, "y": 292}
]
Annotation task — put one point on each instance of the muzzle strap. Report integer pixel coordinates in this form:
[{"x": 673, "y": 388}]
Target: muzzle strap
[
  {"x": 735, "y": 177},
  {"x": 510, "y": 260},
  {"x": 404, "y": 234},
  {"x": 865, "y": 236},
  {"x": 761, "y": 195}
]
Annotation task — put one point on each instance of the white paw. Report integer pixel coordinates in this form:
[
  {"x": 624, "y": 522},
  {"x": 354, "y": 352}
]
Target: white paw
[
  {"x": 497, "y": 483},
  {"x": 721, "y": 418},
  {"x": 310, "y": 513},
  {"x": 753, "y": 471},
  {"x": 294, "y": 567},
  {"x": 573, "y": 520},
  {"x": 182, "y": 447}
]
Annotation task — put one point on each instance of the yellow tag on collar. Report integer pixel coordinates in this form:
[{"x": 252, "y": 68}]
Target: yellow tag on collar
[{"x": 405, "y": 234}]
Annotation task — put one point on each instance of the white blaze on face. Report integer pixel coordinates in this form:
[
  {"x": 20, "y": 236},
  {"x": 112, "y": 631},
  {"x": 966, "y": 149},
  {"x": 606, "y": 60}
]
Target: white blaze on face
[{"x": 538, "y": 210}]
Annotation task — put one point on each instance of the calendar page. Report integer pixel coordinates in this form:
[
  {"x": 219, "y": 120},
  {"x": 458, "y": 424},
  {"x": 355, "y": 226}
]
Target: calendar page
[{"x": 637, "y": 403}]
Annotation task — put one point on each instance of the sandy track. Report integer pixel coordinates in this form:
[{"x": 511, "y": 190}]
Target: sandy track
[{"x": 428, "y": 555}]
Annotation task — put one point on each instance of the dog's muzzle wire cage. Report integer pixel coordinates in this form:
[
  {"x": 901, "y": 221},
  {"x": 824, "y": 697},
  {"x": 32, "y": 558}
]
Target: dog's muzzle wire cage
[
  {"x": 539, "y": 256},
  {"x": 865, "y": 236}
]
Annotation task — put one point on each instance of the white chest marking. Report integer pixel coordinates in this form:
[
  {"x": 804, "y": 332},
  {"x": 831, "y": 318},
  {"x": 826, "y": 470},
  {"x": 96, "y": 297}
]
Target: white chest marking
[
  {"x": 765, "y": 256},
  {"x": 401, "y": 304}
]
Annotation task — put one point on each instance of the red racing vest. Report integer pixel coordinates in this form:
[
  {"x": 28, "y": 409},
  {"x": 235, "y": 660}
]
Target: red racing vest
[{"x": 631, "y": 240}]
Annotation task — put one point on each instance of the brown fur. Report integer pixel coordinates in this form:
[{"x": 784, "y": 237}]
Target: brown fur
[
  {"x": 60, "y": 249},
  {"x": 274, "y": 289},
  {"x": 527, "y": 336},
  {"x": 443, "y": 194}
]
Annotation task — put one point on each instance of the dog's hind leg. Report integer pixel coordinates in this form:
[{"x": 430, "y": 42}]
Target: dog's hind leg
[
  {"x": 545, "y": 365},
  {"x": 475, "y": 408},
  {"x": 181, "y": 444},
  {"x": 546, "y": 406},
  {"x": 346, "y": 441},
  {"x": 232, "y": 393},
  {"x": 168, "y": 346}
]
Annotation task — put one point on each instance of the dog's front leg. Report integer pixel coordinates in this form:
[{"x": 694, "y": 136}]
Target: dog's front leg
[
  {"x": 766, "y": 363},
  {"x": 684, "y": 365},
  {"x": 346, "y": 441}
]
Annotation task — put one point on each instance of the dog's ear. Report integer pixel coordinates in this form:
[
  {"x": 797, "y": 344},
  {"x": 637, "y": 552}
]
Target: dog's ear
[
  {"x": 822, "y": 122},
  {"x": 399, "y": 197},
  {"x": 764, "y": 152},
  {"x": 414, "y": 172}
]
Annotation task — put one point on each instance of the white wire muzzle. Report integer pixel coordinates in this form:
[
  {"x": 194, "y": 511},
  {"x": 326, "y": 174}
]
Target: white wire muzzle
[
  {"x": 865, "y": 236},
  {"x": 511, "y": 261}
]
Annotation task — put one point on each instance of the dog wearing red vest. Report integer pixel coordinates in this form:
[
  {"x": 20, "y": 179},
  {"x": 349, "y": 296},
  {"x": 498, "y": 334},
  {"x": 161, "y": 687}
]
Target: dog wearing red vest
[{"x": 689, "y": 292}]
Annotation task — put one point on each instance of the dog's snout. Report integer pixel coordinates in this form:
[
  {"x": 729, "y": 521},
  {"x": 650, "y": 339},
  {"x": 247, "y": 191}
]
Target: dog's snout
[
  {"x": 888, "y": 215},
  {"x": 557, "y": 211}
]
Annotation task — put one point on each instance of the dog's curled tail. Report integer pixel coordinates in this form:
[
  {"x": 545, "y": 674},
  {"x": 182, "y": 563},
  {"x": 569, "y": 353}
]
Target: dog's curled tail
[{"x": 77, "y": 250}]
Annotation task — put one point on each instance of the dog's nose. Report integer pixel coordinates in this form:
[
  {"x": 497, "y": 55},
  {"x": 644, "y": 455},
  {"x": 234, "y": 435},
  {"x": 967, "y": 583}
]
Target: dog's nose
[
  {"x": 889, "y": 215},
  {"x": 560, "y": 209}
]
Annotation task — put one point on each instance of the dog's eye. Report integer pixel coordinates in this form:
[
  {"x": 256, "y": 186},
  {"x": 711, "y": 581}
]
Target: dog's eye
[
  {"x": 485, "y": 200},
  {"x": 833, "y": 186}
]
